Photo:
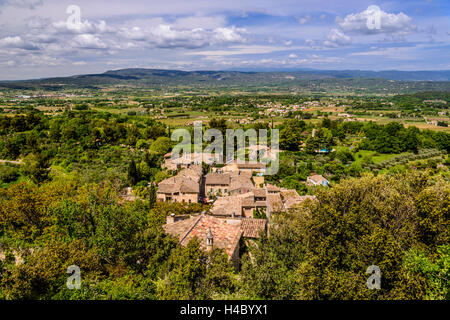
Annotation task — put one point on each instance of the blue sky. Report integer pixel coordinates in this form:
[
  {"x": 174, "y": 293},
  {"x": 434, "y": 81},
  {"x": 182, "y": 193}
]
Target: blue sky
[{"x": 39, "y": 38}]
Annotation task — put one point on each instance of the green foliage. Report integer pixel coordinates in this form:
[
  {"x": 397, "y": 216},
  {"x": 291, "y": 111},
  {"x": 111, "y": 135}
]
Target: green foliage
[
  {"x": 69, "y": 210},
  {"x": 190, "y": 273},
  {"x": 391, "y": 138},
  {"x": 8, "y": 173},
  {"x": 259, "y": 213},
  {"x": 322, "y": 140},
  {"x": 133, "y": 174},
  {"x": 436, "y": 273},
  {"x": 162, "y": 145},
  {"x": 220, "y": 124},
  {"x": 322, "y": 249},
  {"x": 268, "y": 269},
  {"x": 36, "y": 167},
  {"x": 290, "y": 134},
  {"x": 44, "y": 272}
]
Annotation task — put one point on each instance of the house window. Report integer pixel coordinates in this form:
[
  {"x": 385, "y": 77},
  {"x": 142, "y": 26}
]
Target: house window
[{"x": 189, "y": 200}]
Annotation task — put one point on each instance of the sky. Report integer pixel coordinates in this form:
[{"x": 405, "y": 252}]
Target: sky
[{"x": 46, "y": 38}]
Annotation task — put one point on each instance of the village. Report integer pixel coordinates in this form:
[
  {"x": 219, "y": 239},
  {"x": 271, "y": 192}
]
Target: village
[{"x": 241, "y": 203}]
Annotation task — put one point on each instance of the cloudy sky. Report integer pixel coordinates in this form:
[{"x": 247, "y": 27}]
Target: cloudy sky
[{"x": 42, "y": 38}]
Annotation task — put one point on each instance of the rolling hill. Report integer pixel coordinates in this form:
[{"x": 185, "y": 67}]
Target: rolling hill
[{"x": 158, "y": 78}]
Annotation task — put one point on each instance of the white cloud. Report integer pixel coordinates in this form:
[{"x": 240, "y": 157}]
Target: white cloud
[
  {"x": 336, "y": 38},
  {"x": 165, "y": 36},
  {"x": 8, "y": 63},
  {"x": 83, "y": 27},
  {"x": 45, "y": 38},
  {"x": 200, "y": 22},
  {"x": 88, "y": 41},
  {"x": 242, "y": 50},
  {"x": 399, "y": 53},
  {"x": 312, "y": 60},
  {"x": 133, "y": 33},
  {"x": 232, "y": 34},
  {"x": 304, "y": 19},
  {"x": 31, "y": 4},
  {"x": 293, "y": 56},
  {"x": 11, "y": 41},
  {"x": 168, "y": 36},
  {"x": 373, "y": 20},
  {"x": 17, "y": 42}
]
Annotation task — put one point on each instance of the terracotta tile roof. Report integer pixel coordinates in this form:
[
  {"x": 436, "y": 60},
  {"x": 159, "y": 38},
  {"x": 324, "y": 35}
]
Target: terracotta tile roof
[
  {"x": 193, "y": 158},
  {"x": 186, "y": 181},
  {"x": 251, "y": 165},
  {"x": 317, "y": 178},
  {"x": 272, "y": 188},
  {"x": 241, "y": 182},
  {"x": 167, "y": 185},
  {"x": 217, "y": 179},
  {"x": 194, "y": 172},
  {"x": 246, "y": 174},
  {"x": 274, "y": 202},
  {"x": 225, "y": 206},
  {"x": 259, "y": 193},
  {"x": 225, "y": 236},
  {"x": 179, "y": 228},
  {"x": 247, "y": 199},
  {"x": 291, "y": 198},
  {"x": 260, "y": 204},
  {"x": 303, "y": 198},
  {"x": 178, "y": 184},
  {"x": 252, "y": 227}
]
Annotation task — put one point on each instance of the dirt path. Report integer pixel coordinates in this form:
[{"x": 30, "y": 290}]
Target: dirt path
[{"x": 11, "y": 161}]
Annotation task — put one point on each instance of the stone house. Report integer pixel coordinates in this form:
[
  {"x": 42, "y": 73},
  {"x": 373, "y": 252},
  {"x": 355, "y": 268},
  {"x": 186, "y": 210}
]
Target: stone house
[
  {"x": 251, "y": 167},
  {"x": 217, "y": 184},
  {"x": 317, "y": 180},
  {"x": 268, "y": 200},
  {"x": 188, "y": 159},
  {"x": 240, "y": 182},
  {"x": 213, "y": 232},
  {"x": 184, "y": 187}
]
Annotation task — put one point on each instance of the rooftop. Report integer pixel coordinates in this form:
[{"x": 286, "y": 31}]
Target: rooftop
[
  {"x": 317, "y": 178},
  {"x": 251, "y": 165},
  {"x": 217, "y": 179},
  {"x": 225, "y": 236},
  {"x": 252, "y": 227}
]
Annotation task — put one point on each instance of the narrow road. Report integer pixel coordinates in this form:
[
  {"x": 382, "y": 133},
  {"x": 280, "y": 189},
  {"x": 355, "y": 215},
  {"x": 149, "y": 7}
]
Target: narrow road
[{"x": 11, "y": 161}]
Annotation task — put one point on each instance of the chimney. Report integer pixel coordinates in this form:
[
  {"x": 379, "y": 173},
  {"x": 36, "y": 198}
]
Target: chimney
[
  {"x": 209, "y": 240},
  {"x": 171, "y": 218},
  {"x": 233, "y": 214}
]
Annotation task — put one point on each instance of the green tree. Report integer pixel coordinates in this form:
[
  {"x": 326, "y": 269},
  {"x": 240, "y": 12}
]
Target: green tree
[
  {"x": 436, "y": 273},
  {"x": 133, "y": 174},
  {"x": 36, "y": 166},
  {"x": 161, "y": 146},
  {"x": 44, "y": 272}
]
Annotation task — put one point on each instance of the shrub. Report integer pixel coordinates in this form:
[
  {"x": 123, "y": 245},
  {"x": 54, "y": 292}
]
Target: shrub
[{"x": 8, "y": 173}]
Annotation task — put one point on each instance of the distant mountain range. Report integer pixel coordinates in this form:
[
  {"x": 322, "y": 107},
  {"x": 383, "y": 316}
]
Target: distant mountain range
[
  {"x": 387, "y": 74},
  {"x": 159, "y": 77}
]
